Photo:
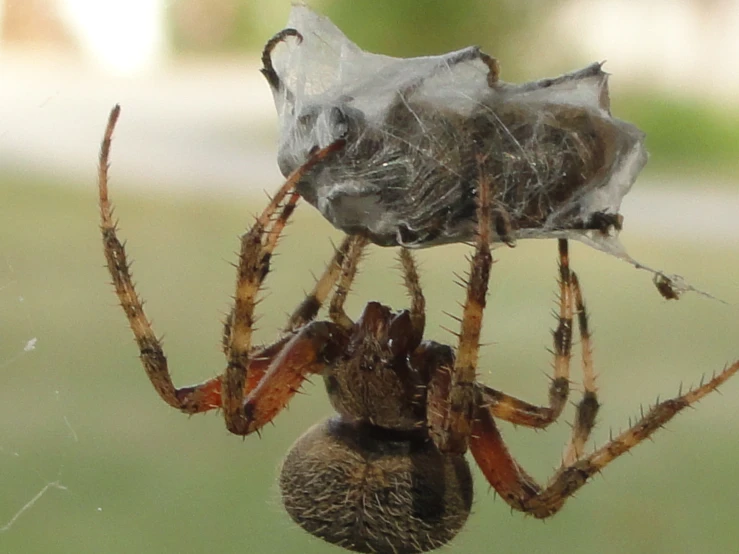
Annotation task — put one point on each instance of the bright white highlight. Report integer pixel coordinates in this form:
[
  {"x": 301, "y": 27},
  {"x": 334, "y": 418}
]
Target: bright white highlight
[
  {"x": 30, "y": 345},
  {"x": 123, "y": 36}
]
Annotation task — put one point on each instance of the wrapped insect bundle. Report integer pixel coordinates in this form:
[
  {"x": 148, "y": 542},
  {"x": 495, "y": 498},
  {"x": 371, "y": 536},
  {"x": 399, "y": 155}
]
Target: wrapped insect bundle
[{"x": 419, "y": 132}]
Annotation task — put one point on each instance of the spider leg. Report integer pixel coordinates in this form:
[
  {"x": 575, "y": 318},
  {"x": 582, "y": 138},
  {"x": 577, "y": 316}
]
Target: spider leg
[
  {"x": 268, "y": 69},
  {"x": 588, "y": 407},
  {"x": 574, "y": 475},
  {"x": 305, "y": 354},
  {"x": 309, "y": 307},
  {"x": 275, "y": 374},
  {"x": 519, "y": 412},
  {"x": 203, "y": 397},
  {"x": 508, "y": 478},
  {"x": 520, "y": 490},
  {"x": 413, "y": 285},
  {"x": 516, "y": 411},
  {"x": 150, "y": 348},
  {"x": 257, "y": 245},
  {"x": 452, "y": 391},
  {"x": 348, "y": 272}
]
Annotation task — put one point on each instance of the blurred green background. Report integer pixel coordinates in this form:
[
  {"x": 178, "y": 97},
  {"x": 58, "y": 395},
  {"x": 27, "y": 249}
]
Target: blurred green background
[{"x": 140, "y": 477}]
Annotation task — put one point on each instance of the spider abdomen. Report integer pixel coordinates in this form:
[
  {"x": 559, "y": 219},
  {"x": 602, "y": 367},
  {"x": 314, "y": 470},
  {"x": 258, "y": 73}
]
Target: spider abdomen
[{"x": 369, "y": 489}]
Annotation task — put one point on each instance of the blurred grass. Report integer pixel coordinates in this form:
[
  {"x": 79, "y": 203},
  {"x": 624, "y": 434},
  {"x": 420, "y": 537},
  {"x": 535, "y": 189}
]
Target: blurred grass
[
  {"x": 685, "y": 137},
  {"x": 394, "y": 27},
  {"x": 141, "y": 477}
]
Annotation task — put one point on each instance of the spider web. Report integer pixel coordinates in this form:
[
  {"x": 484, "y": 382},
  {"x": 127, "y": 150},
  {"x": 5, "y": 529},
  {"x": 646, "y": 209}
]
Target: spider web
[{"x": 18, "y": 351}]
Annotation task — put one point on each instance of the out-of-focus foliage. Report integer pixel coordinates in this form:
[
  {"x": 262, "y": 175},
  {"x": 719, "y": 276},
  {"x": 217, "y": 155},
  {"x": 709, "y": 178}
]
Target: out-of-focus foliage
[
  {"x": 397, "y": 28},
  {"x": 684, "y": 134}
]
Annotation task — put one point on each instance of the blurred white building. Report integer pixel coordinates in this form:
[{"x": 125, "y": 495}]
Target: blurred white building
[
  {"x": 688, "y": 46},
  {"x": 207, "y": 122},
  {"x": 122, "y": 36}
]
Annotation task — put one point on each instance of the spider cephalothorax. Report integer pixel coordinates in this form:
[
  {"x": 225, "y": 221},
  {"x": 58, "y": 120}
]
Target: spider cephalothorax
[{"x": 388, "y": 472}]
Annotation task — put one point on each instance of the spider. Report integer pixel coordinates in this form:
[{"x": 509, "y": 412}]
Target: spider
[{"x": 388, "y": 472}]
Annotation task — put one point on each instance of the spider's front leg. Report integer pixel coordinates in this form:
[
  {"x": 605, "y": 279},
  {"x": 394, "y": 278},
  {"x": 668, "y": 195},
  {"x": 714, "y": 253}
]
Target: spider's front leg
[
  {"x": 209, "y": 394},
  {"x": 314, "y": 346},
  {"x": 257, "y": 246},
  {"x": 302, "y": 355}
]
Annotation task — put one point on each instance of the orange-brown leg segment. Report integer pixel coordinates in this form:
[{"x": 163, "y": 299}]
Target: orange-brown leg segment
[
  {"x": 413, "y": 285},
  {"x": 520, "y": 491},
  {"x": 573, "y": 476},
  {"x": 150, "y": 348},
  {"x": 255, "y": 255},
  {"x": 516, "y": 411},
  {"x": 587, "y": 408},
  {"x": 305, "y": 354},
  {"x": 308, "y": 309},
  {"x": 201, "y": 397},
  {"x": 348, "y": 272},
  {"x": 207, "y": 395},
  {"x": 451, "y": 396},
  {"x": 509, "y": 479},
  {"x": 519, "y": 412}
]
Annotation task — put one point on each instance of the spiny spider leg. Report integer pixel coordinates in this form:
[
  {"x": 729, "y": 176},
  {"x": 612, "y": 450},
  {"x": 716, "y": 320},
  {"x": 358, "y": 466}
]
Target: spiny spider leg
[
  {"x": 260, "y": 359},
  {"x": 519, "y": 412},
  {"x": 515, "y": 487},
  {"x": 152, "y": 356},
  {"x": 307, "y": 353},
  {"x": 255, "y": 255},
  {"x": 588, "y": 407},
  {"x": 257, "y": 246},
  {"x": 520, "y": 490},
  {"x": 206, "y": 396},
  {"x": 304, "y": 355},
  {"x": 268, "y": 69},
  {"x": 453, "y": 394},
  {"x": 413, "y": 286},
  {"x": 309, "y": 307},
  {"x": 348, "y": 272}
]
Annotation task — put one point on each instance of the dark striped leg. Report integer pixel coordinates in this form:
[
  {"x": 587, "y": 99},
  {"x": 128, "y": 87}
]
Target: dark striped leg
[
  {"x": 517, "y": 411},
  {"x": 520, "y": 490}
]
